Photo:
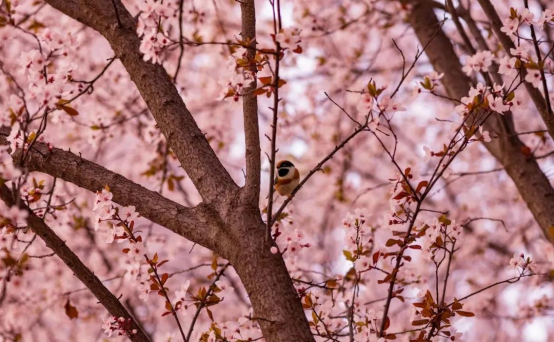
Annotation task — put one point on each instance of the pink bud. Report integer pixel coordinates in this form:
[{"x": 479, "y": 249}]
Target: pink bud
[{"x": 274, "y": 250}]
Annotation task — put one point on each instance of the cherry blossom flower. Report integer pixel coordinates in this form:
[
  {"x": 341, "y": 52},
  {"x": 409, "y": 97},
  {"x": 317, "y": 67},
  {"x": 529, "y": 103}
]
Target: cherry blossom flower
[
  {"x": 366, "y": 103},
  {"x": 128, "y": 214},
  {"x": 481, "y": 61},
  {"x": 105, "y": 212},
  {"x": 387, "y": 104},
  {"x": 520, "y": 52},
  {"x": 103, "y": 199},
  {"x": 479, "y": 90},
  {"x": 31, "y": 62},
  {"x": 517, "y": 260},
  {"x": 144, "y": 290},
  {"x": 546, "y": 17},
  {"x": 456, "y": 336},
  {"x": 14, "y": 214},
  {"x": 510, "y": 27},
  {"x": 534, "y": 77},
  {"x": 152, "y": 45},
  {"x": 484, "y": 135},
  {"x": 107, "y": 325},
  {"x": 136, "y": 251},
  {"x": 182, "y": 293},
  {"x": 288, "y": 38},
  {"x": 527, "y": 17},
  {"x": 428, "y": 153},
  {"x": 225, "y": 287},
  {"x": 507, "y": 66},
  {"x": 497, "y": 104}
]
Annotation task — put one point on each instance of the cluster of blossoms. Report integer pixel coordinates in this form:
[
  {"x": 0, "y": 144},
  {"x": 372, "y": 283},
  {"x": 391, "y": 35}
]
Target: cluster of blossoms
[
  {"x": 358, "y": 238},
  {"x": 521, "y": 263},
  {"x": 121, "y": 326},
  {"x": 430, "y": 82},
  {"x": 512, "y": 24},
  {"x": 231, "y": 331},
  {"x": 401, "y": 198},
  {"x": 152, "y": 45},
  {"x": 370, "y": 101},
  {"x": 48, "y": 89},
  {"x": 237, "y": 77},
  {"x": 295, "y": 243},
  {"x": 439, "y": 232},
  {"x": 493, "y": 99},
  {"x": 289, "y": 38},
  {"x": 11, "y": 218},
  {"x": 8, "y": 171},
  {"x": 240, "y": 66},
  {"x": 481, "y": 61},
  {"x": 119, "y": 223}
]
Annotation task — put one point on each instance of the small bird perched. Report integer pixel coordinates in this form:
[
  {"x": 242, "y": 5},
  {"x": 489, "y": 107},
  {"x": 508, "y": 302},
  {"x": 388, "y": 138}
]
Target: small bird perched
[{"x": 287, "y": 178}]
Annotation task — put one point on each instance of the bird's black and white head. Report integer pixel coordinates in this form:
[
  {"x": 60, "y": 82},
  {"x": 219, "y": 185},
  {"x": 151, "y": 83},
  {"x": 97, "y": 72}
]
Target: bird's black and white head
[{"x": 285, "y": 169}]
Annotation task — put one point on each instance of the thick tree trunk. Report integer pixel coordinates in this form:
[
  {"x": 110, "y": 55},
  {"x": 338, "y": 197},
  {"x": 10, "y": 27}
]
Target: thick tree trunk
[
  {"x": 533, "y": 186},
  {"x": 277, "y": 307}
]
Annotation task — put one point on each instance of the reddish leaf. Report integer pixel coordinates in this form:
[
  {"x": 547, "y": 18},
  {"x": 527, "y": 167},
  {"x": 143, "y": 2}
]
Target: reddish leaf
[
  {"x": 265, "y": 80},
  {"x": 420, "y": 322},
  {"x": 70, "y": 310},
  {"x": 387, "y": 324},
  {"x": 465, "y": 313},
  {"x": 298, "y": 49},
  {"x": 376, "y": 257},
  {"x": 421, "y": 185}
]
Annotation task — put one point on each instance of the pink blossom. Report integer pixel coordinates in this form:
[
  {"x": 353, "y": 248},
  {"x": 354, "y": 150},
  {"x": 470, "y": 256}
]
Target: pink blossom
[
  {"x": 520, "y": 52},
  {"x": 484, "y": 134},
  {"x": 507, "y": 66},
  {"x": 497, "y": 104},
  {"x": 288, "y": 38},
  {"x": 365, "y": 104},
  {"x": 181, "y": 294},
  {"x": 128, "y": 214},
  {"x": 534, "y": 77},
  {"x": 510, "y": 26},
  {"x": 546, "y": 17},
  {"x": 527, "y": 17}
]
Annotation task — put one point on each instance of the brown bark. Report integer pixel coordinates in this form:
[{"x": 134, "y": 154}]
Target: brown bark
[
  {"x": 250, "y": 110},
  {"x": 104, "y": 296},
  {"x": 532, "y": 184},
  {"x": 191, "y": 223}
]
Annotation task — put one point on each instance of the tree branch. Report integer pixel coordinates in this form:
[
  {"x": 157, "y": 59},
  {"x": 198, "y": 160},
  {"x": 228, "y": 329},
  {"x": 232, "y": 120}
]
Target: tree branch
[
  {"x": 191, "y": 223},
  {"x": 250, "y": 108},
  {"x": 104, "y": 296},
  {"x": 172, "y": 116}
]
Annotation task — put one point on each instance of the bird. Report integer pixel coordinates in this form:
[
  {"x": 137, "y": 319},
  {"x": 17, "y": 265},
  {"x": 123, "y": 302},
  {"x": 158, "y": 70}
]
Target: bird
[{"x": 287, "y": 178}]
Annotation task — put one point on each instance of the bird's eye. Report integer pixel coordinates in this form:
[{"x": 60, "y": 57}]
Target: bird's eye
[{"x": 283, "y": 172}]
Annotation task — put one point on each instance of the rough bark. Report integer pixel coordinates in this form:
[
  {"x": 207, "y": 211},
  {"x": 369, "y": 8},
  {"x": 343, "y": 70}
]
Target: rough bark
[
  {"x": 532, "y": 184},
  {"x": 195, "y": 224},
  {"x": 250, "y": 110},
  {"x": 81, "y": 271}
]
